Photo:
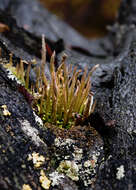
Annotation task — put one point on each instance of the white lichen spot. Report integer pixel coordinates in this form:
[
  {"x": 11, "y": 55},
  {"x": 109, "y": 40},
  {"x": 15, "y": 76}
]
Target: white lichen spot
[
  {"x": 109, "y": 157},
  {"x": 91, "y": 163},
  {"x": 55, "y": 177},
  {"x": 26, "y": 187},
  {"x": 78, "y": 153},
  {"x": 120, "y": 172},
  {"x": 23, "y": 166},
  {"x": 37, "y": 159},
  {"x": 87, "y": 163},
  {"x": 134, "y": 131},
  {"x": 67, "y": 157},
  {"x": 38, "y": 119},
  {"x": 89, "y": 182},
  {"x": 5, "y": 110},
  {"x": 31, "y": 132},
  {"x": 89, "y": 168},
  {"x": 45, "y": 182},
  {"x": 61, "y": 142},
  {"x": 13, "y": 77},
  {"x": 94, "y": 157},
  {"x": 70, "y": 168}
]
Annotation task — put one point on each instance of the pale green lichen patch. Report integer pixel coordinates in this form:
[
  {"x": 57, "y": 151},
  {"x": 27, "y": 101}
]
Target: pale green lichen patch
[
  {"x": 70, "y": 168},
  {"x": 73, "y": 164}
]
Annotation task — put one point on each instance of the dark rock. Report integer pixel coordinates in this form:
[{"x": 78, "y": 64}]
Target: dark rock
[
  {"x": 38, "y": 20},
  {"x": 127, "y": 14},
  {"x": 4, "y": 4},
  {"x": 119, "y": 167}
]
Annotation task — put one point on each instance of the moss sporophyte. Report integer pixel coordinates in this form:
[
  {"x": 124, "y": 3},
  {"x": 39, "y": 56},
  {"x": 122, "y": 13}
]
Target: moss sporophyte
[{"x": 62, "y": 98}]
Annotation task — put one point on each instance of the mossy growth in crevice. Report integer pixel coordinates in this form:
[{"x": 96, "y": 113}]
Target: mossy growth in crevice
[{"x": 64, "y": 100}]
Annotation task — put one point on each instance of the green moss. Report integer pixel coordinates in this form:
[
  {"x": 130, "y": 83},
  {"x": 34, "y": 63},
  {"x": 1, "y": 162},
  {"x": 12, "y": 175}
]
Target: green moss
[{"x": 59, "y": 100}]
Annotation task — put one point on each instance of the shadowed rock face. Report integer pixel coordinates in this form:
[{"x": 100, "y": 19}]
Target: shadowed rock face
[
  {"x": 112, "y": 155},
  {"x": 4, "y": 4},
  {"x": 124, "y": 92},
  {"x": 120, "y": 106},
  {"x": 127, "y": 15},
  {"x": 23, "y": 140}
]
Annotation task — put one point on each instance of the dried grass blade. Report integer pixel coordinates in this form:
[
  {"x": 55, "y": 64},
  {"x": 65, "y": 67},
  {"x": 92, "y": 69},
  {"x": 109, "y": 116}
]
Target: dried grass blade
[
  {"x": 83, "y": 97},
  {"x": 73, "y": 85},
  {"x": 87, "y": 107},
  {"x": 54, "y": 108},
  {"x": 80, "y": 91},
  {"x": 55, "y": 88},
  {"x": 43, "y": 61},
  {"x": 65, "y": 104},
  {"x": 38, "y": 78},
  {"x": 72, "y": 105},
  {"x": 42, "y": 101},
  {"x": 52, "y": 68},
  {"x": 48, "y": 100},
  {"x": 93, "y": 69},
  {"x": 22, "y": 70},
  {"x": 10, "y": 60},
  {"x": 93, "y": 107},
  {"x": 27, "y": 75}
]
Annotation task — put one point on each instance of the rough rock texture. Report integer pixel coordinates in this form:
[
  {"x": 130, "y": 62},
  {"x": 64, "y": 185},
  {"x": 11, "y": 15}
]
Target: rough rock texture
[
  {"x": 121, "y": 144},
  {"x": 108, "y": 160},
  {"x": 23, "y": 140}
]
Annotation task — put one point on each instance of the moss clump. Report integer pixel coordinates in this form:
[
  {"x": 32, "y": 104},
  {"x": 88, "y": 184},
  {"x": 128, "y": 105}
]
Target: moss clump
[{"x": 59, "y": 100}]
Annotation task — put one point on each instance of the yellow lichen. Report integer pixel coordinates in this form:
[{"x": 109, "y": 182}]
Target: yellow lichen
[
  {"x": 37, "y": 159},
  {"x": 45, "y": 182},
  {"x": 26, "y": 187},
  {"x": 5, "y": 110}
]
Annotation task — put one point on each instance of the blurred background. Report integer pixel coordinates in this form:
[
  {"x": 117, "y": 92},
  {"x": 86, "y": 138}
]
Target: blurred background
[{"x": 89, "y": 17}]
